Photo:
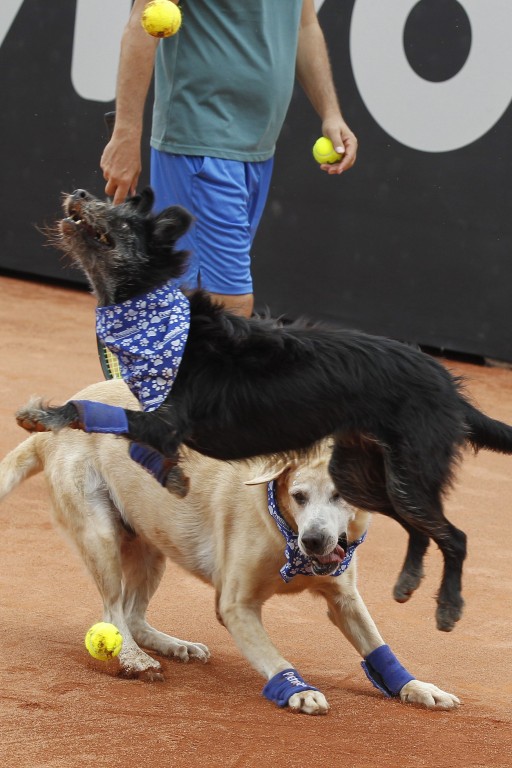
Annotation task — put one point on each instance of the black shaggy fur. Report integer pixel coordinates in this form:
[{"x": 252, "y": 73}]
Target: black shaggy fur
[{"x": 248, "y": 387}]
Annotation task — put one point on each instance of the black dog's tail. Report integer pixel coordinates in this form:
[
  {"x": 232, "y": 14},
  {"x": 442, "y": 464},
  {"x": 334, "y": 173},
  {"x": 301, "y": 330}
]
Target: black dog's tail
[{"x": 485, "y": 432}]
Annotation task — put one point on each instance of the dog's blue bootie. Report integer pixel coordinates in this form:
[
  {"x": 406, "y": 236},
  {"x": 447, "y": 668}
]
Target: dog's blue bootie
[
  {"x": 100, "y": 417},
  {"x": 385, "y": 672},
  {"x": 283, "y": 685},
  {"x": 152, "y": 461}
]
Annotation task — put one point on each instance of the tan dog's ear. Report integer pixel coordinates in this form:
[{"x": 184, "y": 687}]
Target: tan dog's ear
[{"x": 270, "y": 472}]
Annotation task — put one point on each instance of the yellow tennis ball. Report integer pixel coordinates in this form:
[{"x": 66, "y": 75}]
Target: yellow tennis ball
[
  {"x": 103, "y": 641},
  {"x": 161, "y": 18},
  {"x": 324, "y": 152}
]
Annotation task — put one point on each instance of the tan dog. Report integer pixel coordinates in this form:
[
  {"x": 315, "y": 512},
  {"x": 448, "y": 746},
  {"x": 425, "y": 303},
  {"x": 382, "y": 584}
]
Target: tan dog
[{"x": 125, "y": 526}]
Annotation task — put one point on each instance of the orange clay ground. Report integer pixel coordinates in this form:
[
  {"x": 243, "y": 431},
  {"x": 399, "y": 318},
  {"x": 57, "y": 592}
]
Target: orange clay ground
[{"x": 61, "y": 709}]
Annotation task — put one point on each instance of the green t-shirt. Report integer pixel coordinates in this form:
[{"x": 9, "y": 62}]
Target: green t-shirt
[{"x": 224, "y": 82}]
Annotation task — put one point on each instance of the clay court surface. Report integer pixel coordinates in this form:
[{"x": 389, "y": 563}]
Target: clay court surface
[{"x": 61, "y": 709}]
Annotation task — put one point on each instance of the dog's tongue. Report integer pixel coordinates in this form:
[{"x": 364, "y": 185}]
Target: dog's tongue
[{"x": 336, "y": 556}]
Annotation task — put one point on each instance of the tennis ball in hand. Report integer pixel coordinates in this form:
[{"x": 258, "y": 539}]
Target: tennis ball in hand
[
  {"x": 161, "y": 18},
  {"x": 324, "y": 152},
  {"x": 103, "y": 641}
]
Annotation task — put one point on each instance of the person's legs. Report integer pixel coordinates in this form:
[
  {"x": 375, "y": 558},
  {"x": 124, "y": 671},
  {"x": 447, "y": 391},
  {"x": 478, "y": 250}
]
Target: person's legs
[
  {"x": 171, "y": 181},
  {"x": 227, "y": 199}
]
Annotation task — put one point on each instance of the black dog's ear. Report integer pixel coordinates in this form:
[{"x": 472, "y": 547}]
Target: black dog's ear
[
  {"x": 143, "y": 202},
  {"x": 172, "y": 223}
]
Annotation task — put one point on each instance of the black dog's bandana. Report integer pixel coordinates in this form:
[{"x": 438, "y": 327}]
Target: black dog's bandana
[
  {"x": 148, "y": 334},
  {"x": 296, "y": 562}
]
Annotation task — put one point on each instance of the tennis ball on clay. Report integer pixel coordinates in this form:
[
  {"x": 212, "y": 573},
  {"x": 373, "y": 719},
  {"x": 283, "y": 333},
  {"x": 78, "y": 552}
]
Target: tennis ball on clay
[
  {"x": 324, "y": 152},
  {"x": 103, "y": 641},
  {"x": 161, "y": 18}
]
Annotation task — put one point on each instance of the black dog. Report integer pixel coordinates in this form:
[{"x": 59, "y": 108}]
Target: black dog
[{"x": 248, "y": 387}]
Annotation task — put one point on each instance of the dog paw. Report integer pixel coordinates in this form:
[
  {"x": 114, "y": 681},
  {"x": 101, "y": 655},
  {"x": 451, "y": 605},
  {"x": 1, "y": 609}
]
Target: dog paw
[
  {"x": 31, "y": 416},
  {"x": 30, "y": 424},
  {"x": 427, "y": 695},
  {"x": 309, "y": 703},
  {"x": 177, "y": 482},
  {"x": 406, "y": 584},
  {"x": 185, "y": 651},
  {"x": 145, "y": 675},
  {"x": 447, "y": 615},
  {"x": 135, "y": 664},
  {"x": 36, "y": 416}
]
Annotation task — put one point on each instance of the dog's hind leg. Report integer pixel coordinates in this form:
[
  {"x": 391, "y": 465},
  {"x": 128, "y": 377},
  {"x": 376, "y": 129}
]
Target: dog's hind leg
[
  {"x": 143, "y": 567},
  {"x": 416, "y": 499},
  {"x": 452, "y": 544},
  {"x": 374, "y": 477},
  {"x": 94, "y": 524},
  {"x": 358, "y": 471}
]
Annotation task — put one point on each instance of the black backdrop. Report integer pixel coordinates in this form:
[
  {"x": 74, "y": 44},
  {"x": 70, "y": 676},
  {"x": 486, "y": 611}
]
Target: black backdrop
[{"x": 411, "y": 243}]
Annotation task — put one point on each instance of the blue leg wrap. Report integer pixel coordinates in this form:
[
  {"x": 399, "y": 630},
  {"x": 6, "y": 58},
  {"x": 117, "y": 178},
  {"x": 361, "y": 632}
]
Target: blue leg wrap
[
  {"x": 283, "y": 685},
  {"x": 385, "y": 672},
  {"x": 100, "y": 417},
  {"x": 153, "y": 461}
]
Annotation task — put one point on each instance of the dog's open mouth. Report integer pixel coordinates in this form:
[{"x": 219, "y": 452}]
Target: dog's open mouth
[
  {"x": 323, "y": 565},
  {"x": 75, "y": 223}
]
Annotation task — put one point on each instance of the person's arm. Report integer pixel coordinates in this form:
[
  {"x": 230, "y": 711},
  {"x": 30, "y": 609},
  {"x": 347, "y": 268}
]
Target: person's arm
[
  {"x": 315, "y": 76},
  {"x": 121, "y": 158}
]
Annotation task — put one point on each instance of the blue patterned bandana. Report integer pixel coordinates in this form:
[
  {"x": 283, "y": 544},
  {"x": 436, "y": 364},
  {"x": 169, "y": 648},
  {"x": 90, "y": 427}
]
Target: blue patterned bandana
[
  {"x": 148, "y": 334},
  {"x": 298, "y": 563}
]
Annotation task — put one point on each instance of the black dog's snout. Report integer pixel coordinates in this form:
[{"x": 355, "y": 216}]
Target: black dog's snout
[{"x": 80, "y": 194}]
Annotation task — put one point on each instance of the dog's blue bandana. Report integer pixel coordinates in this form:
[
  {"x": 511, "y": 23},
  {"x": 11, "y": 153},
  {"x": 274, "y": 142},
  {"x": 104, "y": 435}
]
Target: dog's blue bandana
[
  {"x": 296, "y": 562},
  {"x": 148, "y": 334}
]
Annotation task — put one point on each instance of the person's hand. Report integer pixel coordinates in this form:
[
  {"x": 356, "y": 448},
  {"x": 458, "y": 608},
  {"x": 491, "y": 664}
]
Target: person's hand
[
  {"x": 121, "y": 166},
  {"x": 344, "y": 142}
]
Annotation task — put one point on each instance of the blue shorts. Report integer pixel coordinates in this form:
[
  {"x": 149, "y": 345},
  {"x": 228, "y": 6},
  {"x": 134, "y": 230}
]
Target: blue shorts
[{"x": 227, "y": 198}]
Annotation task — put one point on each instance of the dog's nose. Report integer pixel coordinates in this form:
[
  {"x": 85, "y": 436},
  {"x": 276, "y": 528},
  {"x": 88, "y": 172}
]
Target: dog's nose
[
  {"x": 80, "y": 194},
  {"x": 313, "y": 543}
]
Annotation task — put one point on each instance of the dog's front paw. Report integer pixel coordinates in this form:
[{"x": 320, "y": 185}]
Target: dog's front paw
[
  {"x": 177, "y": 482},
  {"x": 309, "y": 703},
  {"x": 36, "y": 416},
  {"x": 30, "y": 424},
  {"x": 427, "y": 695}
]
